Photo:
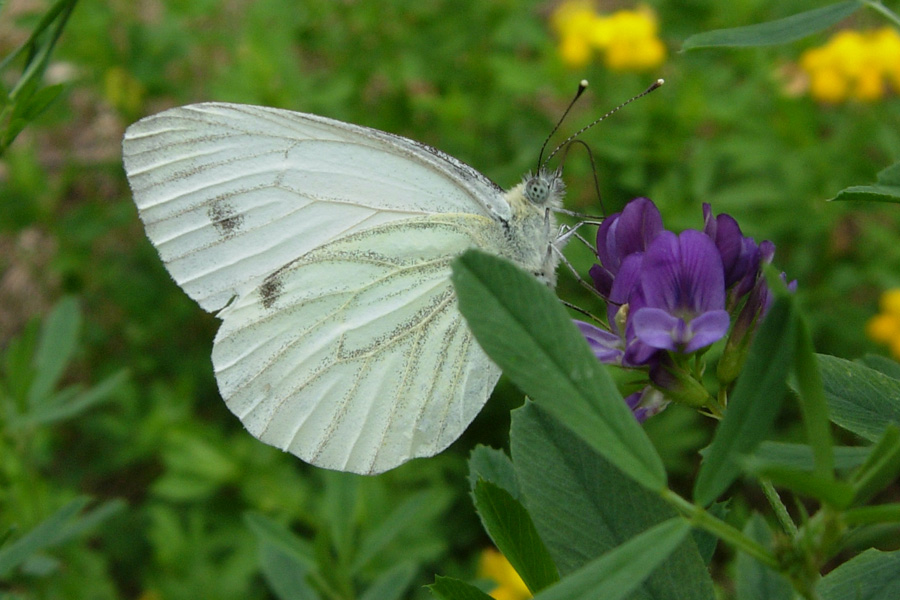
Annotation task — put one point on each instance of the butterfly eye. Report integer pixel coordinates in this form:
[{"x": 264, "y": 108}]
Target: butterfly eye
[{"x": 537, "y": 189}]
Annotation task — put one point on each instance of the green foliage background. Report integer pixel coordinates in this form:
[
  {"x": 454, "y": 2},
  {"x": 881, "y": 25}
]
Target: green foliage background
[{"x": 483, "y": 82}]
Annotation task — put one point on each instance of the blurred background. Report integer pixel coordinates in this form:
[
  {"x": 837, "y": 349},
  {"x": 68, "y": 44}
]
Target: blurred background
[{"x": 185, "y": 504}]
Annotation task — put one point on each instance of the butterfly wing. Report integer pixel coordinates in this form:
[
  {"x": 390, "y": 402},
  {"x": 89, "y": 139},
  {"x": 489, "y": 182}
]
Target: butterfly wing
[
  {"x": 325, "y": 247},
  {"x": 229, "y": 193},
  {"x": 355, "y": 357}
]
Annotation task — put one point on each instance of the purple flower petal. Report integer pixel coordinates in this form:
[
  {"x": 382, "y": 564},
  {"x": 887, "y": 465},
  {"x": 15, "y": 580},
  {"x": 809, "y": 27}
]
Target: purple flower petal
[
  {"x": 646, "y": 403},
  {"x": 683, "y": 292},
  {"x": 632, "y": 400},
  {"x": 622, "y": 234},
  {"x": 603, "y": 279},
  {"x": 606, "y": 346},
  {"x": 683, "y": 273},
  {"x": 657, "y": 328},
  {"x": 740, "y": 254},
  {"x": 639, "y": 224},
  {"x": 706, "y": 329},
  {"x": 624, "y": 287},
  {"x": 639, "y": 354}
]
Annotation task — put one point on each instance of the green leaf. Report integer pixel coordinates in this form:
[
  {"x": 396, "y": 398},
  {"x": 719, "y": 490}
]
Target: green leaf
[
  {"x": 56, "y": 345},
  {"x": 339, "y": 510},
  {"x": 812, "y": 401},
  {"x": 524, "y": 329},
  {"x": 18, "y": 363},
  {"x": 62, "y": 7},
  {"x": 620, "y": 571},
  {"x": 754, "y": 580},
  {"x": 47, "y": 533},
  {"x": 411, "y": 513},
  {"x": 860, "y": 399},
  {"x": 755, "y": 403},
  {"x": 514, "y": 534},
  {"x": 392, "y": 584},
  {"x": 780, "y": 31},
  {"x": 873, "y": 575},
  {"x": 800, "y": 456},
  {"x": 272, "y": 533},
  {"x": 582, "y": 506},
  {"x": 59, "y": 408},
  {"x": 89, "y": 520},
  {"x": 494, "y": 466},
  {"x": 285, "y": 559},
  {"x": 886, "y": 188},
  {"x": 448, "y": 588},
  {"x": 286, "y": 575},
  {"x": 868, "y": 515},
  {"x": 880, "y": 468},
  {"x": 40, "y": 100},
  {"x": 882, "y": 364}
]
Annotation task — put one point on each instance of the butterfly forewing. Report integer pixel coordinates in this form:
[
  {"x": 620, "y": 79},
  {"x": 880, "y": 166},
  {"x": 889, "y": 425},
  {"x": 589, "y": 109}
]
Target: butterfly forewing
[{"x": 230, "y": 193}]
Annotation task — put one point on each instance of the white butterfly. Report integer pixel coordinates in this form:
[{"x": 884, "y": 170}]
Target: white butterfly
[{"x": 325, "y": 248}]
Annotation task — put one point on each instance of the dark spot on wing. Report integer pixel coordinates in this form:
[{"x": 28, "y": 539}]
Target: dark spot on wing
[
  {"x": 224, "y": 217},
  {"x": 270, "y": 290}
]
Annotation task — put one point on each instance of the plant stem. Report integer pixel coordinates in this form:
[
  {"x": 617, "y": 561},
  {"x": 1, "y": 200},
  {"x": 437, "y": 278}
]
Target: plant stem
[
  {"x": 778, "y": 506},
  {"x": 702, "y": 519}
]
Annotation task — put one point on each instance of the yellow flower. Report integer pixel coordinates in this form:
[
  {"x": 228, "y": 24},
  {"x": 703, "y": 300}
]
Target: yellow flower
[
  {"x": 633, "y": 24},
  {"x": 869, "y": 86},
  {"x": 890, "y": 302},
  {"x": 602, "y": 32},
  {"x": 848, "y": 51},
  {"x": 828, "y": 85},
  {"x": 885, "y": 326},
  {"x": 852, "y": 64},
  {"x": 510, "y": 586},
  {"x": 574, "y": 50},
  {"x": 634, "y": 45},
  {"x": 886, "y": 44},
  {"x": 573, "y": 18},
  {"x": 637, "y": 55},
  {"x": 626, "y": 39}
]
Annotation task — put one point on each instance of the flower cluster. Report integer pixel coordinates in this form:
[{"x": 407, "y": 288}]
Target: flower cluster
[
  {"x": 494, "y": 566},
  {"x": 627, "y": 39},
  {"x": 670, "y": 296},
  {"x": 884, "y": 327},
  {"x": 857, "y": 65}
]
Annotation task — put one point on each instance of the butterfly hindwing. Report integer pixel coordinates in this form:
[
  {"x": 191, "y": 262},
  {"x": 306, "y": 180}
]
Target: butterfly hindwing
[{"x": 355, "y": 357}]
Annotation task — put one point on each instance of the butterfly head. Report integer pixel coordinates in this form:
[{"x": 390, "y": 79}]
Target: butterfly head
[{"x": 544, "y": 188}]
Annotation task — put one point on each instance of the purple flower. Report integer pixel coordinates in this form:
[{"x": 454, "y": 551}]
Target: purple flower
[
  {"x": 740, "y": 254},
  {"x": 622, "y": 234},
  {"x": 646, "y": 403},
  {"x": 671, "y": 295},
  {"x": 683, "y": 291},
  {"x": 759, "y": 300}
]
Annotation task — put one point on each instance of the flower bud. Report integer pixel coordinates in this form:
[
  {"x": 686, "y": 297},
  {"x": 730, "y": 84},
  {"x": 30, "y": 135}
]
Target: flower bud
[{"x": 678, "y": 385}]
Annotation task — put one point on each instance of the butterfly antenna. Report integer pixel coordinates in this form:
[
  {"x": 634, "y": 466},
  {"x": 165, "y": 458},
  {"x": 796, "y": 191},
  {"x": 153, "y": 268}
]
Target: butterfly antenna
[
  {"x": 582, "y": 85},
  {"x": 587, "y": 148},
  {"x": 592, "y": 317},
  {"x": 655, "y": 85}
]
